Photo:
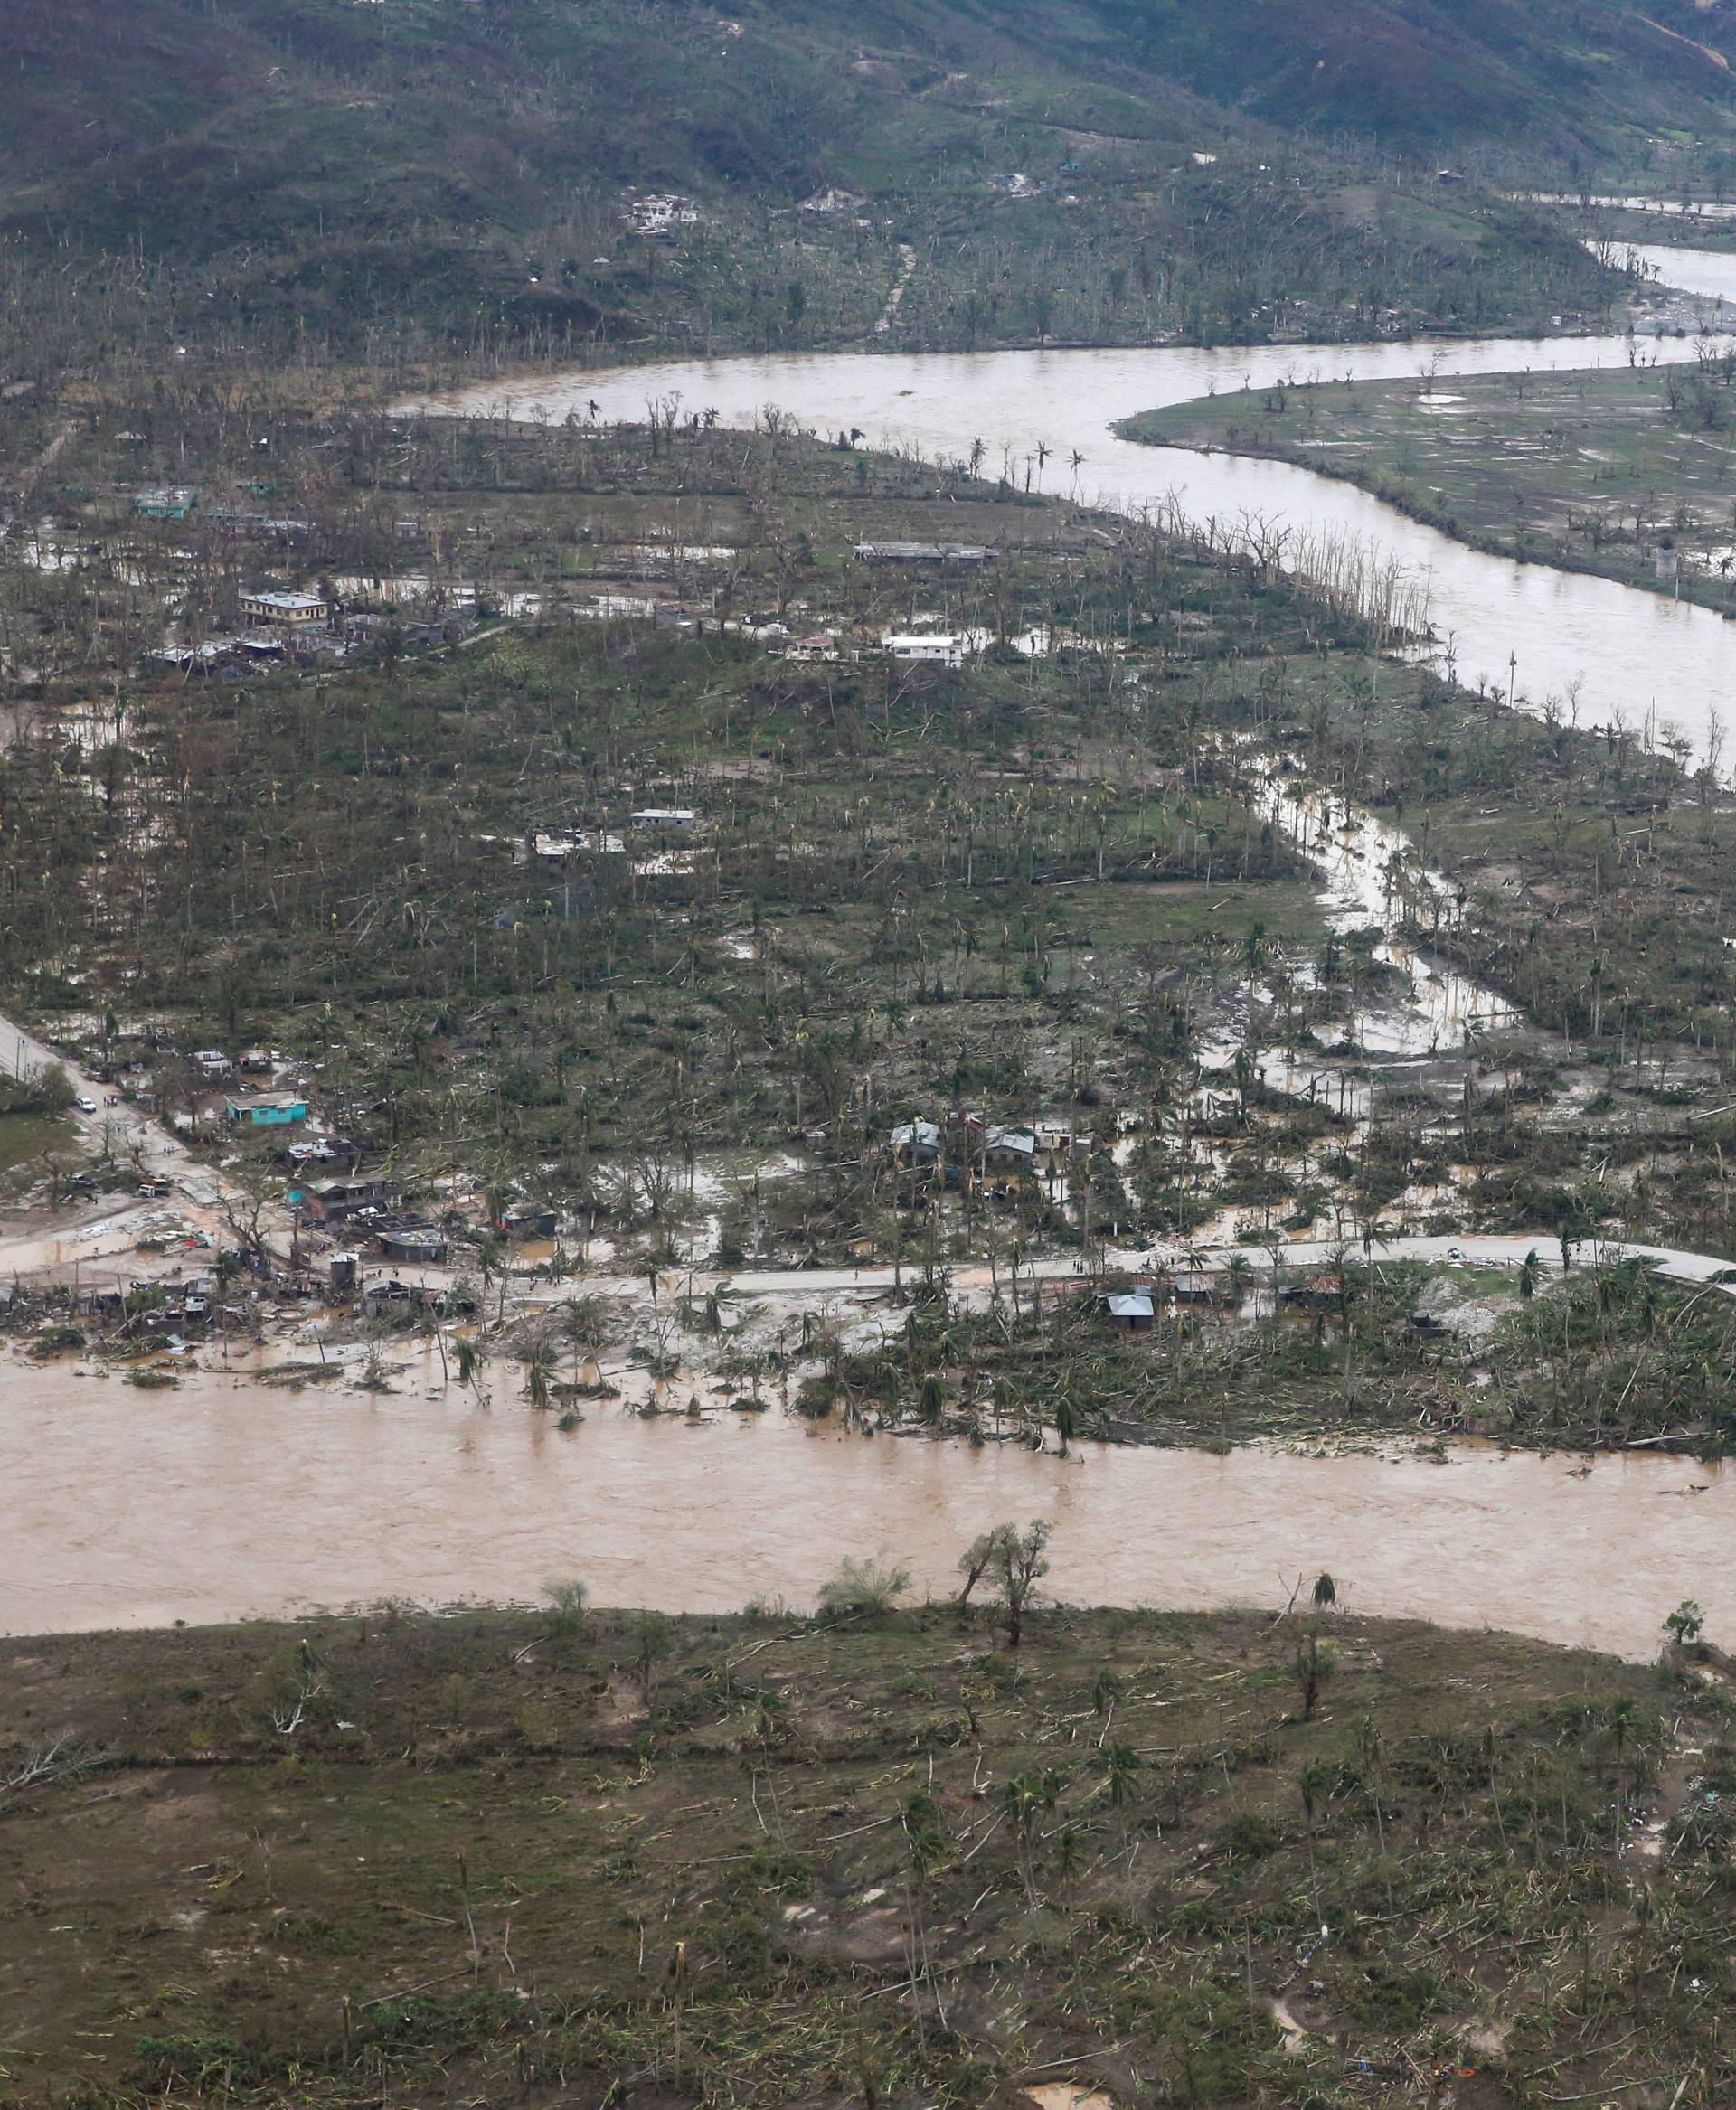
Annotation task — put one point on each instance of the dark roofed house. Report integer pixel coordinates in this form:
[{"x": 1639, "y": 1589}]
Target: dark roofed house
[
  {"x": 337, "y": 1201},
  {"x": 1316, "y": 1292}
]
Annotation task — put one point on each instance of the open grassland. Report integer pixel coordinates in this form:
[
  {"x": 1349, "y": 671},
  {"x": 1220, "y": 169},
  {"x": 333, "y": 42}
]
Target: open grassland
[{"x": 492, "y": 1859}]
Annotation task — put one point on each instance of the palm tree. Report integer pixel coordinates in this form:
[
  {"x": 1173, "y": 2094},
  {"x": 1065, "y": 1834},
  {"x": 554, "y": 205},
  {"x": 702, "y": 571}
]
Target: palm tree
[
  {"x": 539, "y": 1366},
  {"x": 1066, "y": 1423},
  {"x": 1313, "y": 1665},
  {"x": 1242, "y": 1068},
  {"x": 1024, "y": 1798},
  {"x": 1119, "y": 1767},
  {"x": 1622, "y": 1718},
  {"x": 469, "y": 1357}
]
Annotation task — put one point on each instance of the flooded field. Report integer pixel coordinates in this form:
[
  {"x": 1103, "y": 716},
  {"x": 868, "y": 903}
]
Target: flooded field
[{"x": 1372, "y": 878}]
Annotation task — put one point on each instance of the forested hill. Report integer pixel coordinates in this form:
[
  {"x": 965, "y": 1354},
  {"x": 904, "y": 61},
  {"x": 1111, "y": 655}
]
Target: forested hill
[{"x": 356, "y": 164}]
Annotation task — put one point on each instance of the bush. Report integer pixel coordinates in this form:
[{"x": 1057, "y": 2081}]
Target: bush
[
  {"x": 816, "y": 1397},
  {"x": 566, "y": 1606},
  {"x": 1247, "y": 1837},
  {"x": 58, "y": 1340},
  {"x": 53, "y": 1089},
  {"x": 1394, "y": 2000},
  {"x": 874, "y": 1585}
]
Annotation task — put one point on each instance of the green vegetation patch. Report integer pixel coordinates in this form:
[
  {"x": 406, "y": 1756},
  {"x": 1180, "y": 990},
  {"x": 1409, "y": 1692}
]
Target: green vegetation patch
[{"x": 885, "y": 1859}]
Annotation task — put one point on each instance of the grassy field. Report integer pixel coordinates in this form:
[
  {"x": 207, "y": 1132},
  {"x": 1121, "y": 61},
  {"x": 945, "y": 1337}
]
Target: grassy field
[
  {"x": 1623, "y": 471},
  {"x": 494, "y": 1858},
  {"x": 23, "y": 1140}
]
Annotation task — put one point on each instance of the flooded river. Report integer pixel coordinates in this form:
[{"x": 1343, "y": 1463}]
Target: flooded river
[
  {"x": 225, "y": 1499},
  {"x": 1637, "y": 655}
]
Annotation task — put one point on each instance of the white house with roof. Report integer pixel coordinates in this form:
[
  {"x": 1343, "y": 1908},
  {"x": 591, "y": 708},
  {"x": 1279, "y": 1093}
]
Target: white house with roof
[{"x": 282, "y": 610}]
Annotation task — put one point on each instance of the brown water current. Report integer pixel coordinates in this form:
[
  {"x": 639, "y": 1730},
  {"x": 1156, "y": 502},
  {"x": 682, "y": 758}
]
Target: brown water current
[{"x": 224, "y": 1499}]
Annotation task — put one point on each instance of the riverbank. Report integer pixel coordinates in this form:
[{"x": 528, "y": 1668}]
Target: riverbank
[
  {"x": 1612, "y": 472},
  {"x": 613, "y": 1857},
  {"x": 1016, "y": 412}
]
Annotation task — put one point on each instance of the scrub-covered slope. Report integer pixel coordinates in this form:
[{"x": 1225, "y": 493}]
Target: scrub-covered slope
[{"x": 465, "y": 166}]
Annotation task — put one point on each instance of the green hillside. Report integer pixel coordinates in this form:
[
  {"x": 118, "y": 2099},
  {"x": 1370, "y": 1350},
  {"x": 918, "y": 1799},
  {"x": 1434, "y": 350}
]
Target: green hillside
[{"x": 338, "y": 168}]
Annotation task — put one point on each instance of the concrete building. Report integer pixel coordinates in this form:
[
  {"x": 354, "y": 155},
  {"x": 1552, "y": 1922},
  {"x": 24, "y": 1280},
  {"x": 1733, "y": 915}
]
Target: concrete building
[{"x": 284, "y": 611}]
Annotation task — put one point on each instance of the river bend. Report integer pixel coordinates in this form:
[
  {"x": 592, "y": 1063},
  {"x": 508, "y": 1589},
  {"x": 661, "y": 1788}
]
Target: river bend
[{"x": 1637, "y": 657}]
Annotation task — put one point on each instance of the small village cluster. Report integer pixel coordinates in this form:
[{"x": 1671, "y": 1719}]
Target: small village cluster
[{"x": 291, "y": 616}]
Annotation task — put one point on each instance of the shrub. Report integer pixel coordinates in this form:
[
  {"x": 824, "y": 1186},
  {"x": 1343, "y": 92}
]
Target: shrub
[
  {"x": 1248, "y": 1836},
  {"x": 567, "y": 1602},
  {"x": 874, "y": 1585}
]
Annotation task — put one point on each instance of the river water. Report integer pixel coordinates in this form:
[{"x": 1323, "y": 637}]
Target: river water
[
  {"x": 225, "y": 1499},
  {"x": 1601, "y": 201},
  {"x": 1637, "y": 656}
]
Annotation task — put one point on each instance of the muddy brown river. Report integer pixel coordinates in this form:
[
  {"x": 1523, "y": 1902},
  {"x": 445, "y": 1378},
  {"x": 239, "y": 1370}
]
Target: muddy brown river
[{"x": 224, "y": 1499}]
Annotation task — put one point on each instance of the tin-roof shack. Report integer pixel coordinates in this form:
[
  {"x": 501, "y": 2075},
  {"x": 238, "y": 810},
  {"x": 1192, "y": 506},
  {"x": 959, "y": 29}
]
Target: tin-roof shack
[
  {"x": 1130, "y": 1311},
  {"x": 412, "y": 1242}
]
